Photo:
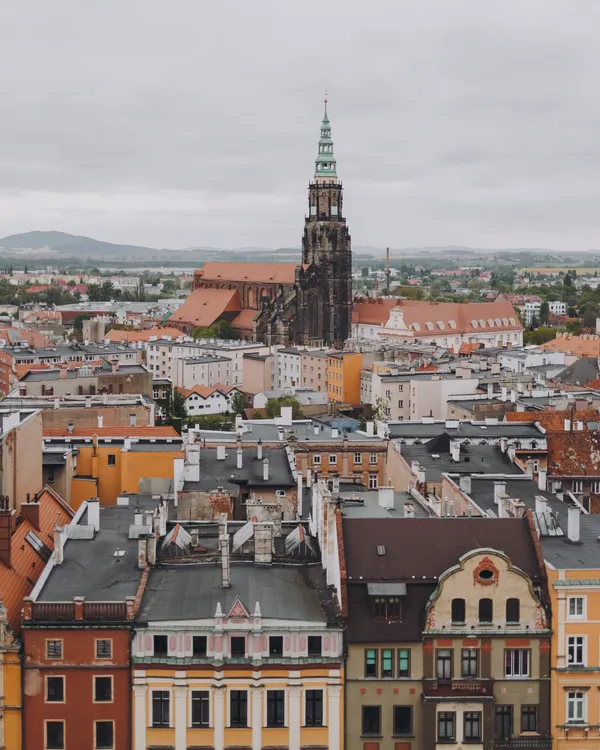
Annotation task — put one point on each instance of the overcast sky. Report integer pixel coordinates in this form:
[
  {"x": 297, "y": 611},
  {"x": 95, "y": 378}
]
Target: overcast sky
[{"x": 188, "y": 122}]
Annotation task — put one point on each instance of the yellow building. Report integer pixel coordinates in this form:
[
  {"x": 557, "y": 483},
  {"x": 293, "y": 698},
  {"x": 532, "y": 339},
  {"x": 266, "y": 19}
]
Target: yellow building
[
  {"x": 254, "y": 661},
  {"x": 111, "y": 461},
  {"x": 10, "y": 687},
  {"x": 574, "y": 581},
  {"x": 343, "y": 377}
]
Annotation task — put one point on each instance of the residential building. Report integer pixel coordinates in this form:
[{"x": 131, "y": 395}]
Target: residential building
[
  {"x": 113, "y": 461},
  {"x": 315, "y": 369},
  {"x": 287, "y": 368},
  {"x": 343, "y": 377},
  {"x": 257, "y": 373},
  {"x": 20, "y": 455},
  {"x": 11, "y": 718},
  {"x": 574, "y": 464},
  {"x": 201, "y": 400},
  {"x": 451, "y": 648},
  {"x": 256, "y": 661},
  {"x": 86, "y": 380},
  {"x": 522, "y": 360},
  {"x": 445, "y": 324},
  {"x": 586, "y": 345},
  {"x": 77, "y": 627},
  {"x": 207, "y": 371}
]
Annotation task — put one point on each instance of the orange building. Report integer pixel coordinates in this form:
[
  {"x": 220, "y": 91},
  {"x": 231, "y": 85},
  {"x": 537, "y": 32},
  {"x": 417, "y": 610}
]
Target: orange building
[
  {"x": 116, "y": 460},
  {"x": 343, "y": 377}
]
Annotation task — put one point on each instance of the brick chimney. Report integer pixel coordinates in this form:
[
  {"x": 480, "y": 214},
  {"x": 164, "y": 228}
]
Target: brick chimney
[
  {"x": 31, "y": 512},
  {"x": 7, "y": 528}
]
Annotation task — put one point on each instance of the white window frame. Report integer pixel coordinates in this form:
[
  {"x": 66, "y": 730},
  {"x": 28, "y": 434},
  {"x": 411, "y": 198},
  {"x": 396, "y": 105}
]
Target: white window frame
[
  {"x": 151, "y": 692},
  {"x": 373, "y": 481},
  {"x": 333, "y": 458},
  {"x": 577, "y": 486},
  {"x": 316, "y": 459},
  {"x": 574, "y": 643},
  {"x": 516, "y": 673},
  {"x": 579, "y": 697},
  {"x": 595, "y": 487},
  {"x": 372, "y": 459},
  {"x": 575, "y": 615},
  {"x": 199, "y": 689},
  {"x": 359, "y": 462}
]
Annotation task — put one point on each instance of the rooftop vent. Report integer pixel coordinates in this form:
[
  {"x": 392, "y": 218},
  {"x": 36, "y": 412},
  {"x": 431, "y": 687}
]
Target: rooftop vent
[{"x": 381, "y": 550}]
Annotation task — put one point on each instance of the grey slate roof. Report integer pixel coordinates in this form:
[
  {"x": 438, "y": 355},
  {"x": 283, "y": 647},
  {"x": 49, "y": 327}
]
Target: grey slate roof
[
  {"x": 192, "y": 592},
  {"x": 365, "y": 504},
  {"x": 466, "y": 429},
  {"x": 580, "y": 372},
  {"x": 563, "y": 555},
  {"x": 522, "y": 488}
]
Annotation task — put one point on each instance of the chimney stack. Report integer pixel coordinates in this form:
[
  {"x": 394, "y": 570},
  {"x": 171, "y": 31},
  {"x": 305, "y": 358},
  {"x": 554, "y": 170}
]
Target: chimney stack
[
  {"x": 58, "y": 545},
  {"x": 259, "y": 449},
  {"x": 541, "y": 504},
  {"x": 409, "y": 510},
  {"x": 220, "y": 452},
  {"x": 31, "y": 512},
  {"x": 70, "y": 428},
  {"x": 93, "y": 513},
  {"x": 465, "y": 483},
  {"x": 499, "y": 492},
  {"x": 132, "y": 420},
  {"x": 573, "y": 524},
  {"x": 455, "y": 450},
  {"x": 7, "y": 527},
  {"x": 263, "y": 543},
  {"x": 225, "y": 567},
  {"x": 240, "y": 458},
  {"x": 266, "y": 470},
  {"x": 385, "y": 497},
  {"x": 142, "y": 552},
  {"x": 542, "y": 479},
  {"x": 100, "y": 421}
]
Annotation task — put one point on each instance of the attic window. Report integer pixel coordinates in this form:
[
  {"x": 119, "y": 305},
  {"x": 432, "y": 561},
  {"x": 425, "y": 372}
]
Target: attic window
[
  {"x": 511, "y": 321},
  {"x": 475, "y": 324},
  {"x": 381, "y": 550},
  {"x": 388, "y": 608},
  {"x": 38, "y": 546},
  {"x": 504, "y": 322},
  {"x": 490, "y": 322},
  {"x": 429, "y": 325},
  {"x": 486, "y": 574},
  {"x": 482, "y": 323},
  {"x": 441, "y": 324},
  {"x": 452, "y": 323},
  {"x": 498, "y": 322},
  {"x": 416, "y": 326}
]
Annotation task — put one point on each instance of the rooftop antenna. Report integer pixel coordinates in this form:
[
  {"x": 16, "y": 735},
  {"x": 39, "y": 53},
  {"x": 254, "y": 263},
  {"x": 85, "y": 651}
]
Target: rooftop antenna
[{"x": 387, "y": 271}]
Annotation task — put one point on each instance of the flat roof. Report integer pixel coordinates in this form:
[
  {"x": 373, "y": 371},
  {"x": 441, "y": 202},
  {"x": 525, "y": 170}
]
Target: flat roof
[
  {"x": 303, "y": 431},
  {"x": 474, "y": 459},
  {"x": 466, "y": 429},
  {"x": 564, "y": 555},
  {"x": 365, "y": 504}
]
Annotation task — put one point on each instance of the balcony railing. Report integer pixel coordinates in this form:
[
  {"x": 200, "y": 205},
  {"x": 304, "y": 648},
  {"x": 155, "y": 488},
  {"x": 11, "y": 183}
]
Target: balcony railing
[
  {"x": 53, "y": 611},
  {"x": 472, "y": 688},
  {"x": 104, "y": 611},
  {"x": 524, "y": 743},
  {"x": 76, "y": 610}
]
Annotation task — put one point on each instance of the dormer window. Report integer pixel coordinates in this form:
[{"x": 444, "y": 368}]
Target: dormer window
[
  {"x": 511, "y": 321},
  {"x": 452, "y": 324},
  {"x": 482, "y": 323},
  {"x": 504, "y": 321},
  {"x": 386, "y": 600},
  {"x": 416, "y": 326},
  {"x": 429, "y": 325},
  {"x": 475, "y": 324},
  {"x": 441, "y": 324},
  {"x": 498, "y": 323},
  {"x": 490, "y": 322}
]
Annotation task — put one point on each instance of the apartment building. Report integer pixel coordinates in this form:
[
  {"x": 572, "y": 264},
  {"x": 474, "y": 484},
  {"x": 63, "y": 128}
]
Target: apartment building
[
  {"x": 85, "y": 380},
  {"x": 343, "y": 377},
  {"x": 287, "y": 368},
  {"x": 445, "y": 649},
  {"x": 257, "y": 373},
  {"x": 314, "y": 369}
]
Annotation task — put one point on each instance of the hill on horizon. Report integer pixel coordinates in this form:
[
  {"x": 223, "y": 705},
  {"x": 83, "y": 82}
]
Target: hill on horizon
[{"x": 61, "y": 242}]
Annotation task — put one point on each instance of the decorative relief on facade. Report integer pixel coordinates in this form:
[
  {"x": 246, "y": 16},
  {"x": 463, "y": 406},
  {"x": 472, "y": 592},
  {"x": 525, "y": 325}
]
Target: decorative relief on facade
[{"x": 486, "y": 573}]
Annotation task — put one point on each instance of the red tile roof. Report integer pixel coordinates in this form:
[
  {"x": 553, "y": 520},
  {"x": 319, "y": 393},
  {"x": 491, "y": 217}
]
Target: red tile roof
[
  {"x": 134, "y": 336},
  {"x": 159, "y": 431},
  {"x": 204, "y": 307},
  {"x": 26, "y": 562},
  {"x": 582, "y": 346},
  {"x": 245, "y": 320},
  {"x": 554, "y": 420},
  {"x": 274, "y": 273},
  {"x": 33, "y": 338},
  {"x": 205, "y": 391},
  {"x": 574, "y": 454}
]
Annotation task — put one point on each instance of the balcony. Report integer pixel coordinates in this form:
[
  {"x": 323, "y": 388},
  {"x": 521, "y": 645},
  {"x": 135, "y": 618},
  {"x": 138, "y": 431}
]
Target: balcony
[
  {"x": 456, "y": 689},
  {"x": 524, "y": 743}
]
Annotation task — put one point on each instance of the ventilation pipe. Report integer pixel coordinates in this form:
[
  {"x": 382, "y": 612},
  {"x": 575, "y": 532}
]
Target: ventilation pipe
[
  {"x": 240, "y": 458},
  {"x": 259, "y": 449},
  {"x": 100, "y": 421},
  {"x": 266, "y": 470},
  {"x": 573, "y": 524}
]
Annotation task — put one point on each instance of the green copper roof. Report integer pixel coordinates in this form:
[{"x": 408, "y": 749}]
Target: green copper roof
[{"x": 325, "y": 165}]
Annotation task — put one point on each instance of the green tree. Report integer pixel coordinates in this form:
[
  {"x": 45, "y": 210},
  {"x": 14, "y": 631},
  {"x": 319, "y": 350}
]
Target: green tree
[
  {"x": 78, "y": 322},
  {"x": 539, "y": 336},
  {"x": 219, "y": 330},
  {"x": 176, "y": 406},
  {"x": 274, "y": 405},
  {"x": 573, "y": 327},
  {"x": 238, "y": 403},
  {"x": 544, "y": 312}
]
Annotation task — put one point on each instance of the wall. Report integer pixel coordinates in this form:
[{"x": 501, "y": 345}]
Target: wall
[
  {"x": 10, "y": 697},
  {"x": 78, "y": 667},
  {"x": 112, "y": 416},
  {"x": 398, "y": 470},
  {"x": 60, "y": 478},
  {"x": 257, "y": 374},
  {"x": 314, "y": 372},
  {"x": 344, "y": 464},
  {"x": 123, "y": 382},
  {"x": 21, "y": 460}
]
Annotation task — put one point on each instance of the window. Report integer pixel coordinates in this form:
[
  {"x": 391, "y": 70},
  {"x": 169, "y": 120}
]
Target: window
[
  {"x": 55, "y": 689},
  {"x": 373, "y": 458},
  {"x": 387, "y": 662},
  {"x": 103, "y": 689},
  {"x": 469, "y": 662},
  {"x": 357, "y": 458},
  {"x": 404, "y": 662},
  {"x": 577, "y": 487},
  {"x": 105, "y": 735},
  {"x": 504, "y": 721},
  {"x": 370, "y": 662},
  {"x": 275, "y": 708},
  {"x": 199, "y": 645},
  {"x": 472, "y": 726},
  {"x": 238, "y": 708},
  {"x": 55, "y": 735},
  {"x": 112, "y": 459},
  {"x": 402, "y": 720},
  {"x": 161, "y": 645},
  {"x": 446, "y": 726},
  {"x": 314, "y": 708},
  {"x": 458, "y": 611},
  {"x": 486, "y": 611},
  {"x": 575, "y": 707},
  {"x": 444, "y": 664},
  {"x": 54, "y": 649},
  {"x": 160, "y": 708},
  {"x": 276, "y": 645},
  {"x": 595, "y": 487},
  {"x": 529, "y": 718},
  {"x": 371, "y": 720},
  {"x": 513, "y": 611},
  {"x": 332, "y": 458},
  {"x": 238, "y": 645},
  {"x": 576, "y": 650},
  {"x": 200, "y": 708},
  {"x": 317, "y": 459},
  {"x": 576, "y": 608},
  {"x": 104, "y": 648},
  {"x": 373, "y": 483},
  {"x": 401, "y": 404},
  {"x": 315, "y": 645},
  {"x": 516, "y": 662}
]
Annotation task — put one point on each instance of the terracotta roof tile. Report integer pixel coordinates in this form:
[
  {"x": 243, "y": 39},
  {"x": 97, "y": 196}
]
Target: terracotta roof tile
[
  {"x": 159, "y": 431},
  {"x": 205, "y": 390},
  {"x": 245, "y": 320},
  {"x": 204, "y": 307},
  {"x": 274, "y": 273},
  {"x": 578, "y": 345},
  {"x": 574, "y": 453},
  {"x": 554, "y": 420},
  {"x": 117, "y": 336}
]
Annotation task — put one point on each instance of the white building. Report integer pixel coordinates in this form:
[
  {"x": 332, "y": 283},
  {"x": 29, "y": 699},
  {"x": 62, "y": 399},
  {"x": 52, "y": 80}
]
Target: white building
[
  {"x": 204, "y": 371},
  {"x": 201, "y": 400}
]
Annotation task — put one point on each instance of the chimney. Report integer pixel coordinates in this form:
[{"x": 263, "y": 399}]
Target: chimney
[
  {"x": 240, "y": 458},
  {"x": 70, "y": 428},
  {"x": 151, "y": 549},
  {"x": 511, "y": 452},
  {"x": 335, "y": 484},
  {"x": 530, "y": 469},
  {"x": 58, "y": 545},
  {"x": 7, "y": 527},
  {"x": 573, "y": 524},
  {"x": 490, "y": 390},
  {"x": 263, "y": 543},
  {"x": 455, "y": 450},
  {"x": 513, "y": 396},
  {"x": 266, "y": 470},
  {"x": 335, "y": 432},
  {"x": 409, "y": 510},
  {"x": 220, "y": 452},
  {"x": 317, "y": 430},
  {"x": 225, "y": 568},
  {"x": 567, "y": 425},
  {"x": 465, "y": 483},
  {"x": 504, "y": 393},
  {"x": 132, "y": 420},
  {"x": 541, "y": 504},
  {"x": 370, "y": 429},
  {"x": 503, "y": 444},
  {"x": 142, "y": 552},
  {"x": 259, "y": 450},
  {"x": 542, "y": 479},
  {"x": 31, "y": 512},
  {"x": 385, "y": 497},
  {"x": 100, "y": 421},
  {"x": 499, "y": 492},
  {"x": 222, "y": 524},
  {"x": 309, "y": 477},
  {"x": 138, "y": 517},
  {"x": 451, "y": 509},
  {"x": 93, "y": 513}
]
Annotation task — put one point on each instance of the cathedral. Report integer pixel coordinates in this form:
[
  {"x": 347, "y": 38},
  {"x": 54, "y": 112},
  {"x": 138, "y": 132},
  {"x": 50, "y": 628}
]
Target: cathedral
[{"x": 282, "y": 303}]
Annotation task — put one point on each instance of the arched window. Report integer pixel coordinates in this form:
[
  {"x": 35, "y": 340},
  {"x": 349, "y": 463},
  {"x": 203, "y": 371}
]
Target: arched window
[
  {"x": 513, "y": 611},
  {"x": 486, "y": 611},
  {"x": 458, "y": 611}
]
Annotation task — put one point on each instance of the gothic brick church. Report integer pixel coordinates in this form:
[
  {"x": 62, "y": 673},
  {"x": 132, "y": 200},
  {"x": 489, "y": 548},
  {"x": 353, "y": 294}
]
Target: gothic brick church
[{"x": 282, "y": 303}]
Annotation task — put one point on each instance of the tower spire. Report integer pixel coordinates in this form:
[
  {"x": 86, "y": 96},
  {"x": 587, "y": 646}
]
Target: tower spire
[{"x": 325, "y": 164}]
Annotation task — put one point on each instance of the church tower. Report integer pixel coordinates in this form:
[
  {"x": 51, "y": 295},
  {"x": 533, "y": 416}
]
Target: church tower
[{"x": 326, "y": 253}]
